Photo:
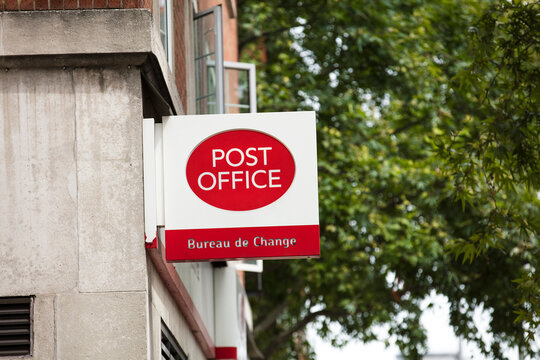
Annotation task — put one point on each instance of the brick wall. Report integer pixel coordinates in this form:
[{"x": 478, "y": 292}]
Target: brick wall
[
  {"x": 180, "y": 49},
  {"x": 24, "y": 5}
]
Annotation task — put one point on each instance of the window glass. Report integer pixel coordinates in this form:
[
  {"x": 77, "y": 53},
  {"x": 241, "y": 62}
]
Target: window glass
[
  {"x": 165, "y": 27},
  {"x": 236, "y": 91},
  {"x": 240, "y": 89},
  {"x": 209, "y": 62},
  {"x": 163, "y": 24}
]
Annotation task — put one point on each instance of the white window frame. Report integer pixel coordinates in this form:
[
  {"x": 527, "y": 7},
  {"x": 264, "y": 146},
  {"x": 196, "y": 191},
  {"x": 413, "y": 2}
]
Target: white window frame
[
  {"x": 257, "y": 267},
  {"x": 252, "y": 83}
]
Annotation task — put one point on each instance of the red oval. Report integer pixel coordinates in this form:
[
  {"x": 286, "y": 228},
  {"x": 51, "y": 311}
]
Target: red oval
[{"x": 240, "y": 170}]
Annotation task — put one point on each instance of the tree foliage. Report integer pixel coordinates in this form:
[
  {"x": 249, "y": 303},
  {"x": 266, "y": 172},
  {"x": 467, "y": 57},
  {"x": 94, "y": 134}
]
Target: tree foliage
[{"x": 428, "y": 137}]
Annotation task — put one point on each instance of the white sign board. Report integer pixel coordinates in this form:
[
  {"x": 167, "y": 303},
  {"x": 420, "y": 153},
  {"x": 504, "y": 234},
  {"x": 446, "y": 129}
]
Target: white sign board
[{"x": 240, "y": 186}]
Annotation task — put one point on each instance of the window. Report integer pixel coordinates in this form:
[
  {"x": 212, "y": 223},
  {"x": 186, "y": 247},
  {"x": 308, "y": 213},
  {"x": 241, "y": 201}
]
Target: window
[
  {"x": 240, "y": 95},
  {"x": 250, "y": 265},
  {"x": 221, "y": 87},
  {"x": 170, "y": 350},
  {"x": 16, "y": 326},
  {"x": 165, "y": 27},
  {"x": 209, "y": 62}
]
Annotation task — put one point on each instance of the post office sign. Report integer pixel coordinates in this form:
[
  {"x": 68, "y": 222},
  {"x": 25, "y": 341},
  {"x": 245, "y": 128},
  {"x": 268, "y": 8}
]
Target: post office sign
[{"x": 240, "y": 186}]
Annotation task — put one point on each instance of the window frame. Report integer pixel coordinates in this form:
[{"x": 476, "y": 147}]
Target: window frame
[
  {"x": 168, "y": 32},
  {"x": 216, "y": 11},
  {"x": 250, "y": 68},
  {"x": 257, "y": 267}
]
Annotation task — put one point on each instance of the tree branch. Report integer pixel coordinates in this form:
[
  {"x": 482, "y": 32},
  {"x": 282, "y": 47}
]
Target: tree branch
[
  {"x": 270, "y": 318},
  {"x": 276, "y": 342},
  {"x": 407, "y": 126}
]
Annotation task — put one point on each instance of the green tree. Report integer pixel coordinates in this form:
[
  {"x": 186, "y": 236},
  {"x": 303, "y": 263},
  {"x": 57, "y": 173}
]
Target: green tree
[
  {"x": 424, "y": 186},
  {"x": 491, "y": 145}
]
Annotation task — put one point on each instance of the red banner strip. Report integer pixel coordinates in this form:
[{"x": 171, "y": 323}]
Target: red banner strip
[
  {"x": 228, "y": 353},
  {"x": 270, "y": 242}
]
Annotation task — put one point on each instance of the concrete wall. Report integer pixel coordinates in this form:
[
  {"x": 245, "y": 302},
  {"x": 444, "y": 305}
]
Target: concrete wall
[
  {"x": 71, "y": 184},
  {"x": 71, "y": 214}
]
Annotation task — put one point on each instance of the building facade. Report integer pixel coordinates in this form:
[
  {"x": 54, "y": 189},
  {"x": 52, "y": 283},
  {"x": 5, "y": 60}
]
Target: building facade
[{"x": 81, "y": 277}]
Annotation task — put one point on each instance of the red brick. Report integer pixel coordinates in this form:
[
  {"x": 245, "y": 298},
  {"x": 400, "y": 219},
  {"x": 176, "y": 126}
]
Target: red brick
[
  {"x": 131, "y": 4},
  {"x": 70, "y": 4},
  {"x": 42, "y": 4},
  {"x": 115, "y": 4},
  {"x": 85, "y": 4},
  {"x": 100, "y": 4},
  {"x": 11, "y": 5},
  {"x": 57, "y": 4},
  {"x": 179, "y": 52},
  {"x": 27, "y": 4}
]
